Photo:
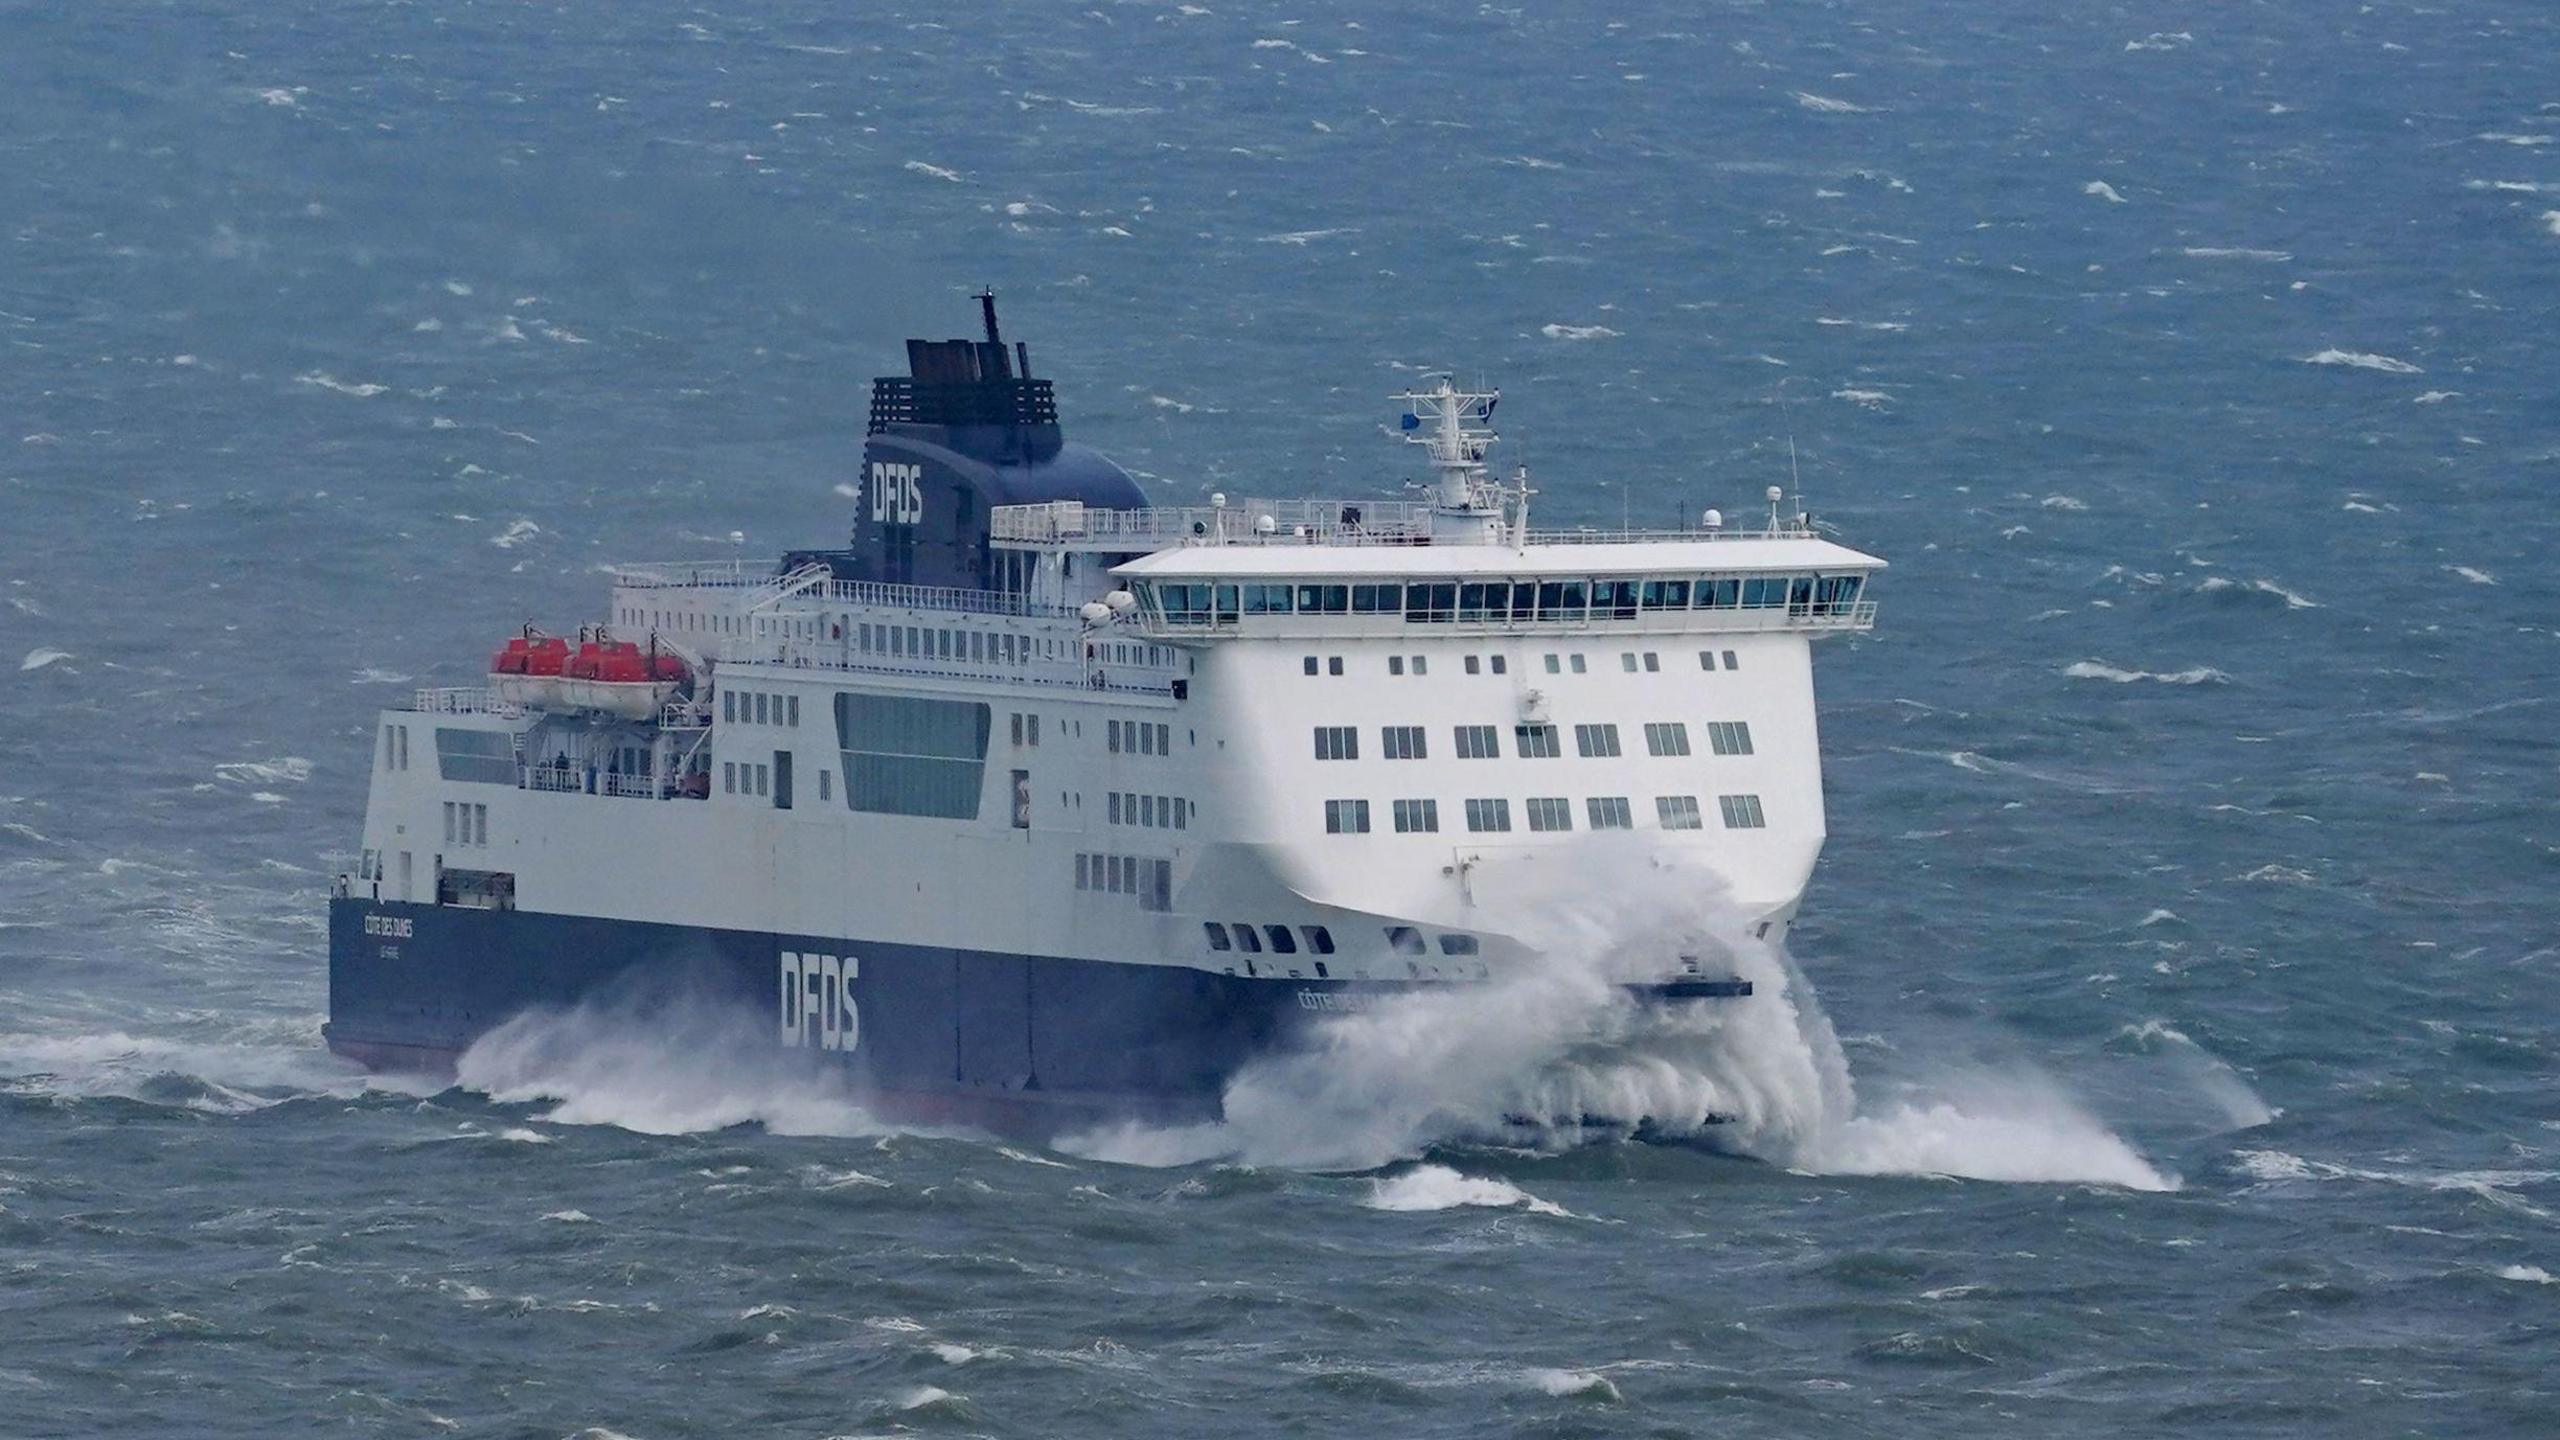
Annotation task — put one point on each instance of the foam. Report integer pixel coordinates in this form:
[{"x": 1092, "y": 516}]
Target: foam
[
  {"x": 1563, "y": 1046},
  {"x": 1825, "y": 105},
  {"x": 291, "y": 768},
  {"x": 2103, "y": 191},
  {"x": 517, "y": 533},
  {"x": 2475, "y": 576},
  {"x": 1577, "y": 332},
  {"x": 1569, "y": 1384},
  {"x": 2100, "y": 670},
  {"x": 2529, "y": 1274},
  {"x": 42, "y": 656},
  {"x": 1872, "y": 399},
  {"x": 1437, "y": 1187},
  {"x": 2363, "y": 360},
  {"x": 365, "y": 390},
  {"x": 2233, "y": 252}
]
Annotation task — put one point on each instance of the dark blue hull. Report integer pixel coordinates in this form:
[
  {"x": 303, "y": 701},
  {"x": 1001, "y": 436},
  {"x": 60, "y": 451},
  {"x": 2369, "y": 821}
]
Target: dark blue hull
[{"x": 1015, "y": 1041}]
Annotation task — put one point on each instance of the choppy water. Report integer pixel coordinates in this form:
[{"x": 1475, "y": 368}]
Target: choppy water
[{"x": 2193, "y": 810}]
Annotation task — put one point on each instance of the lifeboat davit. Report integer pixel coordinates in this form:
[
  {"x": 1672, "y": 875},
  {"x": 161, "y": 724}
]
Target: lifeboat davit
[
  {"x": 529, "y": 671},
  {"x": 620, "y": 678}
]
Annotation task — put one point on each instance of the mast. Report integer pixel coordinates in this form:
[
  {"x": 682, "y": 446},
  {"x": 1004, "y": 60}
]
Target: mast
[{"x": 1453, "y": 427}]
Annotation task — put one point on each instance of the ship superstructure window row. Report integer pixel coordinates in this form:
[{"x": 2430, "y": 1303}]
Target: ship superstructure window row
[
  {"x": 1729, "y": 737},
  {"x": 1346, "y": 817},
  {"x": 466, "y": 823},
  {"x": 1489, "y": 816},
  {"x": 1550, "y": 812},
  {"x": 1666, "y": 737},
  {"x": 1479, "y": 742},
  {"x": 1596, "y": 742},
  {"x": 1139, "y": 737},
  {"x": 1148, "y": 879},
  {"x": 1742, "y": 812},
  {"x": 1678, "y": 812},
  {"x": 759, "y": 707},
  {"x": 1417, "y": 817},
  {"x": 1404, "y": 742},
  {"x": 1501, "y": 602},
  {"x": 1537, "y": 742},
  {"x": 1337, "y": 742},
  {"x": 1151, "y": 812},
  {"x": 1609, "y": 812}
]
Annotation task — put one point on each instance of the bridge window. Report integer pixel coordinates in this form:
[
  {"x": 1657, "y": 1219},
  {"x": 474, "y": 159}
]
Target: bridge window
[
  {"x": 1431, "y": 604},
  {"x": 1403, "y": 742},
  {"x": 1337, "y": 742},
  {"x": 1764, "y": 592},
  {"x": 1376, "y": 599},
  {"x": 1666, "y": 595},
  {"x": 1488, "y": 815},
  {"x": 1596, "y": 742},
  {"x": 485, "y": 757},
  {"x": 1246, "y": 940},
  {"x": 1217, "y": 934},
  {"x": 1268, "y": 599},
  {"x": 1346, "y": 817},
  {"x": 1609, "y": 812},
  {"x": 1404, "y": 940},
  {"x": 1282, "y": 942},
  {"x": 1678, "y": 812},
  {"x": 1668, "y": 737},
  {"x": 1537, "y": 742},
  {"x": 1550, "y": 812},
  {"x": 1706, "y": 659},
  {"x": 1458, "y": 945},
  {"x": 1324, "y": 599},
  {"x": 1319, "y": 940},
  {"x": 1417, "y": 817},
  {"x": 1729, "y": 737},
  {"x": 1742, "y": 812},
  {"x": 1560, "y": 600},
  {"x": 1617, "y": 597},
  {"x": 1479, "y": 742}
]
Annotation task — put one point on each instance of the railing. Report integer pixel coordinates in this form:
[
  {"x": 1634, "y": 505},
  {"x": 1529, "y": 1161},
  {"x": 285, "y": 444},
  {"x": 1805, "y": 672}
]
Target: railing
[
  {"x": 1298, "y": 522},
  {"x": 759, "y": 575},
  {"x": 463, "y": 700},
  {"x": 1835, "y": 615},
  {"x": 1247, "y": 522}
]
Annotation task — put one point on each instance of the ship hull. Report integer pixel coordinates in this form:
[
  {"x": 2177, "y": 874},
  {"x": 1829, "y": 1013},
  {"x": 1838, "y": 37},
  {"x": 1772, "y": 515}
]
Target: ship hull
[{"x": 1021, "y": 1043}]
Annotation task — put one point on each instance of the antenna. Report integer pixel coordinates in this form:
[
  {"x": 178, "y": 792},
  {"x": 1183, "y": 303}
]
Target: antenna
[
  {"x": 986, "y": 298},
  {"x": 1795, "y": 478}
]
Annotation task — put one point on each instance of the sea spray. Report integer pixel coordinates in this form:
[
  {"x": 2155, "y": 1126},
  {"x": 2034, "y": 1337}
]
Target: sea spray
[
  {"x": 1566, "y": 1047},
  {"x": 662, "y": 1057}
]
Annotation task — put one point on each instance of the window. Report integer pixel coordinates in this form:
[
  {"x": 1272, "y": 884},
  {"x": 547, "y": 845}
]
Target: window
[
  {"x": 1311, "y": 665},
  {"x": 1458, "y": 945},
  {"x": 1115, "y": 807},
  {"x": 1395, "y": 664},
  {"x": 1500, "y": 666},
  {"x": 795, "y": 711},
  {"x": 1555, "y": 664},
  {"x": 1346, "y": 817},
  {"x": 1337, "y": 742},
  {"x": 1729, "y": 737},
  {"x": 1666, "y": 737},
  {"x": 764, "y": 781},
  {"x": 1417, "y": 816},
  {"x": 1706, "y": 659},
  {"x": 1282, "y": 942},
  {"x": 1550, "y": 813},
  {"x": 1113, "y": 731},
  {"x": 1609, "y": 812},
  {"x": 1578, "y": 667},
  {"x": 1742, "y": 812},
  {"x": 1246, "y": 940},
  {"x": 1678, "y": 812},
  {"x": 1596, "y": 742},
  {"x": 908, "y": 756},
  {"x": 485, "y": 757},
  {"x": 1404, "y": 940},
  {"x": 764, "y": 709},
  {"x": 1217, "y": 934},
  {"x": 1421, "y": 665},
  {"x": 1031, "y": 729},
  {"x": 1488, "y": 815},
  {"x": 1729, "y": 663},
  {"x": 1478, "y": 742},
  {"x": 729, "y": 705},
  {"x": 1537, "y": 742},
  {"x": 1403, "y": 742},
  {"x": 1319, "y": 940},
  {"x": 1475, "y": 664},
  {"x": 728, "y": 777},
  {"x": 448, "y": 822},
  {"x": 1333, "y": 663},
  {"x": 1017, "y": 729},
  {"x": 1627, "y": 661},
  {"x": 1652, "y": 662},
  {"x": 1022, "y": 817}
]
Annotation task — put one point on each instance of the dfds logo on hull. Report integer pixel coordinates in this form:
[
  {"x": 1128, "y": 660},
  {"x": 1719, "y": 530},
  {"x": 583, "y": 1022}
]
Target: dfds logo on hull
[{"x": 817, "y": 1001}]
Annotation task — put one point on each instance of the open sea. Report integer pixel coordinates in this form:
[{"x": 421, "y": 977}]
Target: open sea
[{"x": 2188, "y": 925}]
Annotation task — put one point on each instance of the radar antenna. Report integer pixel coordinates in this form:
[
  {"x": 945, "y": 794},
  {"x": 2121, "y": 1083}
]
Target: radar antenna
[{"x": 1454, "y": 428}]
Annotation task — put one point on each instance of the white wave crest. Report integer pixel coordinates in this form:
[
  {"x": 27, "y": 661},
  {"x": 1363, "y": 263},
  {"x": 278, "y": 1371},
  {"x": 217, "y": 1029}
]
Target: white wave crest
[
  {"x": 1824, "y": 104},
  {"x": 292, "y": 768},
  {"x": 2101, "y": 670},
  {"x": 2363, "y": 360},
  {"x": 1437, "y": 1187},
  {"x": 2103, "y": 191},
  {"x": 1562, "y": 1048},
  {"x": 2529, "y": 1274},
  {"x": 325, "y": 381},
  {"x": 39, "y": 658},
  {"x": 1563, "y": 1384},
  {"x": 936, "y": 171},
  {"x": 1577, "y": 332}
]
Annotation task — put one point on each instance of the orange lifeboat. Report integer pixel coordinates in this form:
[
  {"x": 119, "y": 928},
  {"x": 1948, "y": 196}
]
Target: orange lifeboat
[
  {"x": 619, "y": 678},
  {"x": 529, "y": 670}
]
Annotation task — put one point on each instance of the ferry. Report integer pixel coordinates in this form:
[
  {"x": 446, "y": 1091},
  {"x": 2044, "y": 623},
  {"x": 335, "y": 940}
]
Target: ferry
[{"x": 1037, "y": 804}]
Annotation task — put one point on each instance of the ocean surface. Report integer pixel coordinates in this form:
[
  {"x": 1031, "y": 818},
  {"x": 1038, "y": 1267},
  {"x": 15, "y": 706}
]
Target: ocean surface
[{"x": 2187, "y": 927}]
